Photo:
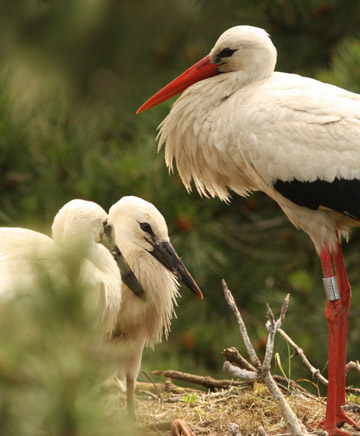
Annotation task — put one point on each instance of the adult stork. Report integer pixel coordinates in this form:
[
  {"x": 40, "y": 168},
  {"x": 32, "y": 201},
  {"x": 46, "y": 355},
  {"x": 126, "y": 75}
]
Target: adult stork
[
  {"x": 239, "y": 125},
  {"x": 140, "y": 231}
]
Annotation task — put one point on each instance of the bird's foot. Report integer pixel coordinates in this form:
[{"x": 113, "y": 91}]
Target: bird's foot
[
  {"x": 333, "y": 429},
  {"x": 342, "y": 418},
  {"x": 180, "y": 428}
]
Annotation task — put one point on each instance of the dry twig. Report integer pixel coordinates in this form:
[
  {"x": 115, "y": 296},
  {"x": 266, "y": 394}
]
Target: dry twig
[
  {"x": 262, "y": 372},
  {"x": 351, "y": 408},
  {"x": 208, "y": 382},
  {"x": 232, "y": 355},
  {"x": 159, "y": 388},
  {"x": 234, "y": 429},
  {"x": 250, "y": 349},
  {"x": 179, "y": 427},
  {"x": 353, "y": 365},
  {"x": 314, "y": 371}
]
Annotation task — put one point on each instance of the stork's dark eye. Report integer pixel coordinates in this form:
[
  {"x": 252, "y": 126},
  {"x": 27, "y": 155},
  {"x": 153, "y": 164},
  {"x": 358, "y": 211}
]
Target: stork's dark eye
[
  {"x": 146, "y": 227},
  {"x": 226, "y": 53},
  {"x": 107, "y": 229}
]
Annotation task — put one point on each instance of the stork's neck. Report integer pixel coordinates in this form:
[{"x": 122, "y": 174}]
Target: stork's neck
[
  {"x": 217, "y": 89},
  {"x": 154, "y": 315},
  {"x": 200, "y": 134}
]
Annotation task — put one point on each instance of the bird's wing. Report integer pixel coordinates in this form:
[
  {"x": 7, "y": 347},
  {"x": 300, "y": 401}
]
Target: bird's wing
[
  {"x": 23, "y": 253},
  {"x": 103, "y": 287},
  {"x": 303, "y": 138},
  {"x": 26, "y": 255}
]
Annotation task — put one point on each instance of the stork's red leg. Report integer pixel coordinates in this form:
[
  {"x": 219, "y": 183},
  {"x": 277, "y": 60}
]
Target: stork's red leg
[
  {"x": 325, "y": 258},
  {"x": 332, "y": 313},
  {"x": 345, "y": 296},
  {"x": 333, "y": 317}
]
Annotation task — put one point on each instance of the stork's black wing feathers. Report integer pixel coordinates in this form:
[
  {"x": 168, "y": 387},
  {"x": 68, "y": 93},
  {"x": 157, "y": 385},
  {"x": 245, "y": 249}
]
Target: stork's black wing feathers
[{"x": 340, "y": 195}]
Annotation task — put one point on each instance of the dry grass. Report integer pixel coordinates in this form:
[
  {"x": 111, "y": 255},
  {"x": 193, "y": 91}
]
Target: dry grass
[{"x": 213, "y": 414}]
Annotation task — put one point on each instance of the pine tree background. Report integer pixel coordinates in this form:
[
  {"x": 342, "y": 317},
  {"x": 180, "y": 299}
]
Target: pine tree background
[{"x": 72, "y": 74}]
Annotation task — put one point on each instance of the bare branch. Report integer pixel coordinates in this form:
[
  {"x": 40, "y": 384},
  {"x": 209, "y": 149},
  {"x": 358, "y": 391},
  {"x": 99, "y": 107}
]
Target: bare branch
[
  {"x": 234, "y": 429},
  {"x": 272, "y": 327},
  {"x": 177, "y": 427},
  {"x": 284, "y": 308},
  {"x": 180, "y": 427},
  {"x": 292, "y": 387},
  {"x": 160, "y": 388},
  {"x": 250, "y": 349},
  {"x": 240, "y": 373},
  {"x": 208, "y": 382},
  {"x": 314, "y": 371},
  {"x": 351, "y": 390},
  {"x": 263, "y": 370},
  {"x": 270, "y": 314},
  {"x": 269, "y": 350},
  {"x": 353, "y": 365},
  {"x": 351, "y": 408},
  {"x": 232, "y": 355},
  {"x": 158, "y": 391},
  {"x": 292, "y": 423},
  {"x": 148, "y": 393}
]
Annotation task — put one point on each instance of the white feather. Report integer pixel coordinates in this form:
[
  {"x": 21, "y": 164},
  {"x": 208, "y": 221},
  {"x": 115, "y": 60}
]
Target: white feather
[
  {"x": 24, "y": 254},
  {"x": 250, "y": 126},
  {"x": 142, "y": 323}
]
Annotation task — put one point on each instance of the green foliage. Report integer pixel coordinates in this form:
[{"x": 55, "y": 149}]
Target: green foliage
[
  {"x": 72, "y": 75},
  {"x": 53, "y": 360},
  {"x": 345, "y": 66},
  {"x": 260, "y": 389},
  {"x": 302, "y": 281},
  {"x": 353, "y": 398},
  {"x": 190, "y": 399}
]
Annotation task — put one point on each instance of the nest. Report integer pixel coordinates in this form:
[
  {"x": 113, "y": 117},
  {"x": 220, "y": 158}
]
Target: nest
[{"x": 232, "y": 412}]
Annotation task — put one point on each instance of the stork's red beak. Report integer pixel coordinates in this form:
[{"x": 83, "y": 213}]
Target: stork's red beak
[{"x": 199, "y": 71}]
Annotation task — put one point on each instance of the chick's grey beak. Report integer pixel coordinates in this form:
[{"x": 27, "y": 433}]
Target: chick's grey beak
[
  {"x": 127, "y": 276},
  {"x": 166, "y": 254}
]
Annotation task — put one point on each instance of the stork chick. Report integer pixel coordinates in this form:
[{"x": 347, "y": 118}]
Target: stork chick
[
  {"x": 78, "y": 224},
  {"x": 140, "y": 231}
]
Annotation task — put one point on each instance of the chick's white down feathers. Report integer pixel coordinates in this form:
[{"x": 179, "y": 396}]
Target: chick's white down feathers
[
  {"x": 153, "y": 315},
  {"x": 24, "y": 254}
]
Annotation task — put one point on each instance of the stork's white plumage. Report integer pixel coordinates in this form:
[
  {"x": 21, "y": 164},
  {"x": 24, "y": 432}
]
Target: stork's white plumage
[
  {"x": 140, "y": 231},
  {"x": 25, "y": 253},
  {"x": 242, "y": 126}
]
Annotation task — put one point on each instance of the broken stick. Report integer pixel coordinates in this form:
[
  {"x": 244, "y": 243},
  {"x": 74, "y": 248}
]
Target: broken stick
[
  {"x": 208, "y": 382},
  {"x": 262, "y": 371}
]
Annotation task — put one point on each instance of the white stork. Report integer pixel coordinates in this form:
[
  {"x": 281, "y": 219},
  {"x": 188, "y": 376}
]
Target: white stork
[
  {"x": 24, "y": 254},
  {"x": 239, "y": 125},
  {"x": 140, "y": 231}
]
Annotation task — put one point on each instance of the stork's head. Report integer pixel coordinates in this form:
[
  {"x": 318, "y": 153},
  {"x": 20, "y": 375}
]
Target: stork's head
[
  {"x": 247, "y": 50},
  {"x": 81, "y": 222},
  {"x": 138, "y": 224},
  {"x": 244, "y": 48}
]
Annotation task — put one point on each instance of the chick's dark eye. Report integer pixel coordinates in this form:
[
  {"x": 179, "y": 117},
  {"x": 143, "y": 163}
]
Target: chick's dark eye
[
  {"x": 107, "y": 229},
  {"x": 146, "y": 227},
  {"x": 226, "y": 53}
]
